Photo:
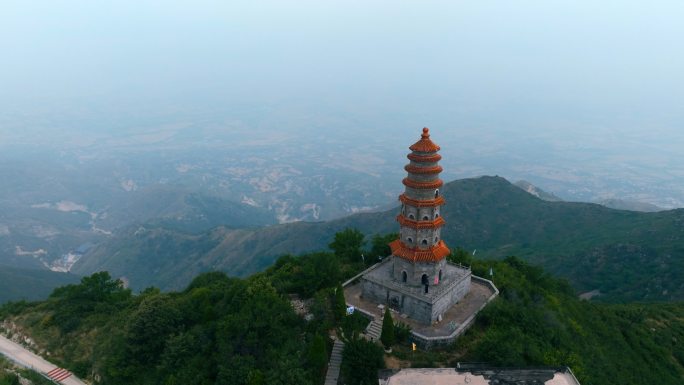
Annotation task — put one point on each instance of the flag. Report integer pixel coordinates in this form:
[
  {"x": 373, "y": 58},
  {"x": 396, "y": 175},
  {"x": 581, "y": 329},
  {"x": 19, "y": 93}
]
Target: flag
[
  {"x": 491, "y": 272},
  {"x": 413, "y": 346}
]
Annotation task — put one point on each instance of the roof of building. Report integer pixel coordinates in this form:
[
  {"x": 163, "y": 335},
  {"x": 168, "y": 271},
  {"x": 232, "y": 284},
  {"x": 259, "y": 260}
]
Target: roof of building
[
  {"x": 425, "y": 144},
  {"x": 432, "y": 254},
  {"x": 479, "y": 375}
]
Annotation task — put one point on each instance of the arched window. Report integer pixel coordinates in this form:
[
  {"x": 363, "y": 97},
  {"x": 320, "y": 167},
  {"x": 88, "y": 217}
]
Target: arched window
[
  {"x": 436, "y": 239},
  {"x": 436, "y": 215},
  {"x": 440, "y": 275},
  {"x": 409, "y": 239},
  {"x": 426, "y": 218},
  {"x": 404, "y": 276},
  {"x": 424, "y": 242},
  {"x": 436, "y": 193},
  {"x": 411, "y": 216}
]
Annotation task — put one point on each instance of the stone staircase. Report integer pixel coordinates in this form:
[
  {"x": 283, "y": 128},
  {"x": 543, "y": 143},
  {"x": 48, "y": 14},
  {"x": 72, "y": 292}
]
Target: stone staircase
[
  {"x": 374, "y": 329},
  {"x": 333, "y": 373}
]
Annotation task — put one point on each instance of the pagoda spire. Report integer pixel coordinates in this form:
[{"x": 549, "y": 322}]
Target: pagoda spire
[{"x": 420, "y": 220}]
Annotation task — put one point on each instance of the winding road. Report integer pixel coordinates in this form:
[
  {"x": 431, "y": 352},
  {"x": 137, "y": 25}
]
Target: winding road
[{"x": 18, "y": 354}]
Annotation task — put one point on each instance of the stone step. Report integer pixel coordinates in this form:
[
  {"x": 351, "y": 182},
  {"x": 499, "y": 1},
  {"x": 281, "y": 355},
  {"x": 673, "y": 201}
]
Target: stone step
[
  {"x": 333, "y": 373},
  {"x": 374, "y": 329}
]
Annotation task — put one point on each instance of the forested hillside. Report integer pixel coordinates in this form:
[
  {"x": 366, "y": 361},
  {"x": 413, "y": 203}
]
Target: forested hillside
[
  {"x": 222, "y": 330},
  {"x": 30, "y": 284},
  {"x": 623, "y": 254}
]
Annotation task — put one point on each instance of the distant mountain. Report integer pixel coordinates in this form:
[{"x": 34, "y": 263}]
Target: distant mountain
[
  {"x": 624, "y": 254},
  {"x": 30, "y": 284},
  {"x": 536, "y": 191},
  {"x": 54, "y": 234},
  {"x": 621, "y": 204}
]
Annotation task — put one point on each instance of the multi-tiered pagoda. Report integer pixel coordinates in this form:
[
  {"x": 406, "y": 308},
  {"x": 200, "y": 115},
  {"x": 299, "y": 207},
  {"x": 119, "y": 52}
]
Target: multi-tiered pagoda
[{"x": 419, "y": 282}]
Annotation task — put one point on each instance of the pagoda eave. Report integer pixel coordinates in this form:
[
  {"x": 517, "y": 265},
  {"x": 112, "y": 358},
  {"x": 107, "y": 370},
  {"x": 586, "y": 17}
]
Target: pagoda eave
[
  {"x": 432, "y": 158},
  {"x": 423, "y": 170},
  {"x": 433, "y": 224},
  {"x": 433, "y": 254},
  {"x": 426, "y": 203},
  {"x": 422, "y": 185}
]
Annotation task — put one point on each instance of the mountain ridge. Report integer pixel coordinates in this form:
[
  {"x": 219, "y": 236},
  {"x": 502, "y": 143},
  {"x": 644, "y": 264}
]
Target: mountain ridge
[{"x": 584, "y": 242}]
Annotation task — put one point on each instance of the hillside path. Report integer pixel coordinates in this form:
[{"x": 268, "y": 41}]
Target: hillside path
[
  {"x": 18, "y": 354},
  {"x": 333, "y": 374}
]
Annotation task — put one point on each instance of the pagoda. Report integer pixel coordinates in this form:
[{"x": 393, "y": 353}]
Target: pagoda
[{"x": 417, "y": 280}]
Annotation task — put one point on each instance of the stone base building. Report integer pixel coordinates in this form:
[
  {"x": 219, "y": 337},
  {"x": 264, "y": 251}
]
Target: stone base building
[{"x": 379, "y": 285}]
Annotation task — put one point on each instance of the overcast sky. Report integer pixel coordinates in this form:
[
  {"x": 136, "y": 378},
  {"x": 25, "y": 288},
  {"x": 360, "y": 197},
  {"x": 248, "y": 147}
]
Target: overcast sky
[{"x": 509, "y": 63}]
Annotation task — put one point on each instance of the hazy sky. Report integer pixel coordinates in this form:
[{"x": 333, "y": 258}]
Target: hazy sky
[
  {"x": 527, "y": 68},
  {"x": 615, "y": 53},
  {"x": 525, "y": 79}
]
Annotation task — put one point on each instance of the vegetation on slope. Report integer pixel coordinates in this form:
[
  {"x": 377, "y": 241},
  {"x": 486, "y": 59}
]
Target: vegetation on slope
[
  {"x": 222, "y": 330},
  {"x": 12, "y": 375},
  {"x": 30, "y": 284}
]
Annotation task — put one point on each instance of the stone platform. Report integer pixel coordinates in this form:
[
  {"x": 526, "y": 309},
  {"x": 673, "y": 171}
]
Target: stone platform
[{"x": 454, "y": 322}]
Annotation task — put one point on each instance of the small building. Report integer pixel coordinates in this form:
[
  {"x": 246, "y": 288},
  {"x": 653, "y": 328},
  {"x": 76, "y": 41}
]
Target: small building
[{"x": 479, "y": 374}]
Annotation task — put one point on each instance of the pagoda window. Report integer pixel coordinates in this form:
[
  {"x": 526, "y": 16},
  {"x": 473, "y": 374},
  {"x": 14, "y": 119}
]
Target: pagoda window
[
  {"x": 404, "y": 276},
  {"x": 436, "y": 215},
  {"x": 426, "y": 218},
  {"x": 436, "y": 239},
  {"x": 411, "y": 216},
  {"x": 409, "y": 239},
  {"x": 424, "y": 242},
  {"x": 437, "y": 193}
]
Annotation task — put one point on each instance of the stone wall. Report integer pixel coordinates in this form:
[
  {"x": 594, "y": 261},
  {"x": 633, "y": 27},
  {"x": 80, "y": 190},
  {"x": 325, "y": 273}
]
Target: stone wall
[
  {"x": 413, "y": 306},
  {"x": 451, "y": 297},
  {"x": 415, "y": 271},
  {"x": 427, "y": 343}
]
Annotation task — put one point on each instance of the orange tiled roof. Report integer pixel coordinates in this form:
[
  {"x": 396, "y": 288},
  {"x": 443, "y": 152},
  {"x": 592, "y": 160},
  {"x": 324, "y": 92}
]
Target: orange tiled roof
[
  {"x": 433, "y": 254},
  {"x": 414, "y": 224},
  {"x": 423, "y": 170},
  {"x": 427, "y": 203},
  {"x": 425, "y": 144},
  {"x": 422, "y": 185},
  {"x": 424, "y": 158}
]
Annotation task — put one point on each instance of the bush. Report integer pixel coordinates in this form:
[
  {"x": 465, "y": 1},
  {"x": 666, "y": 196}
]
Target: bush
[{"x": 361, "y": 361}]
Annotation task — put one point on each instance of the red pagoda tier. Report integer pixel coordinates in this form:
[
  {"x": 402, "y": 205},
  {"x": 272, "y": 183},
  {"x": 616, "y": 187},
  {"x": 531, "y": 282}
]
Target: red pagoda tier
[{"x": 420, "y": 219}]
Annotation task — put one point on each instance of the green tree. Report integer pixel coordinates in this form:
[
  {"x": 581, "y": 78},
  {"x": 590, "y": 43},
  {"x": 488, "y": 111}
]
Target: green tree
[
  {"x": 150, "y": 325},
  {"x": 318, "y": 357},
  {"x": 380, "y": 247},
  {"x": 360, "y": 362},
  {"x": 339, "y": 304},
  {"x": 387, "y": 337},
  {"x": 460, "y": 256},
  {"x": 348, "y": 245}
]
